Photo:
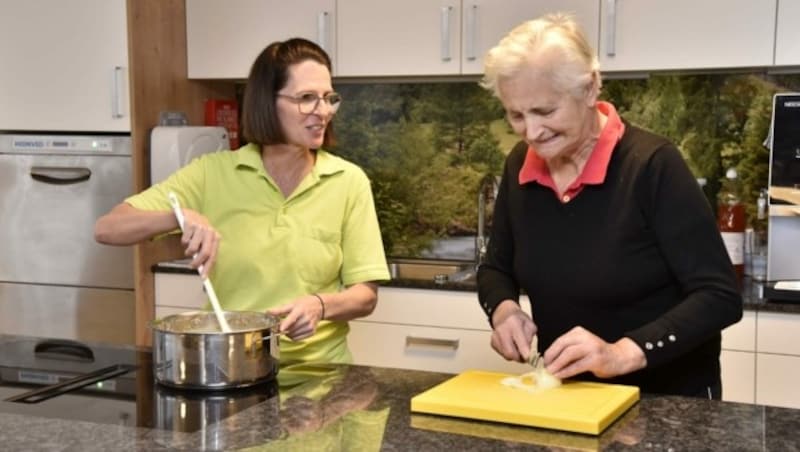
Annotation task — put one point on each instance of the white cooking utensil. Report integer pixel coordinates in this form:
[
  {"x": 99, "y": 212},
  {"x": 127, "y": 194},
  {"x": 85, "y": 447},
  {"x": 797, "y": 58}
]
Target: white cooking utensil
[{"x": 223, "y": 323}]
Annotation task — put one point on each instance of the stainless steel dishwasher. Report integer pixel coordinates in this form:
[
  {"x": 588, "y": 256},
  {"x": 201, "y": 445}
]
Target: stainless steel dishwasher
[{"x": 55, "y": 280}]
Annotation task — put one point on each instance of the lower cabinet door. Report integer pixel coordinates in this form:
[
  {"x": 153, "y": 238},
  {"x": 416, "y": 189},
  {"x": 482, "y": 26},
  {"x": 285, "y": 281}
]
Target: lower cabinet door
[
  {"x": 178, "y": 291},
  {"x": 738, "y": 376},
  {"x": 446, "y": 350},
  {"x": 776, "y": 380},
  {"x": 164, "y": 311}
]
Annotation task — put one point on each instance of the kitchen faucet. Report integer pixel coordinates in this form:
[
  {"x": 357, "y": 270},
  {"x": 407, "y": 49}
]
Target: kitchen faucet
[{"x": 489, "y": 184}]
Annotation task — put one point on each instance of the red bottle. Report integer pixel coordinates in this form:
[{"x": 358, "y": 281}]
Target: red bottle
[{"x": 732, "y": 221}]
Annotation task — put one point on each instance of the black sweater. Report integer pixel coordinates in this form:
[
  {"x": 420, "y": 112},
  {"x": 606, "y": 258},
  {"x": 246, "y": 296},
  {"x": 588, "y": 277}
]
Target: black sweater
[{"x": 637, "y": 256}]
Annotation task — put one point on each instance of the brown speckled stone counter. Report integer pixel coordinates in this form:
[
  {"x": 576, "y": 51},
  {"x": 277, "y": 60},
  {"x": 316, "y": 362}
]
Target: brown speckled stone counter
[{"x": 353, "y": 408}]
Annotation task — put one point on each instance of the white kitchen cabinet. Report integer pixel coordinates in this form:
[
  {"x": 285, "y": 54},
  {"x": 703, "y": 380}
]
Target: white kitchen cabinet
[
  {"x": 485, "y": 22},
  {"x": 64, "y": 65},
  {"x": 224, "y": 38},
  {"x": 778, "y": 333},
  {"x": 741, "y": 336},
  {"x": 640, "y": 35},
  {"x": 787, "y": 35},
  {"x": 178, "y": 292},
  {"x": 738, "y": 360},
  {"x": 435, "y": 330},
  {"x": 777, "y": 379},
  {"x": 778, "y": 359},
  {"x": 387, "y": 37},
  {"x": 445, "y": 37},
  {"x": 738, "y": 376}
]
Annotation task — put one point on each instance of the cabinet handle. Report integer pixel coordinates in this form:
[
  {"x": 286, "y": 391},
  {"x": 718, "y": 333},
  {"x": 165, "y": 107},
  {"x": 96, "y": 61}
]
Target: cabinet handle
[
  {"x": 413, "y": 341},
  {"x": 445, "y": 27},
  {"x": 323, "y": 19},
  {"x": 472, "y": 15},
  {"x": 116, "y": 97},
  {"x": 611, "y": 27}
]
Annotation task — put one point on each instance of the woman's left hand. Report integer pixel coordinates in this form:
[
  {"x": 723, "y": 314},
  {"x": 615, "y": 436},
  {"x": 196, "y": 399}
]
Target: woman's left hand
[
  {"x": 579, "y": 350},
  {"x": 300, "y": 317}
]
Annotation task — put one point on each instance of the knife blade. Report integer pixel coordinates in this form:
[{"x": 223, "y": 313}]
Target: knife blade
[{"x": 535, "y": 359}]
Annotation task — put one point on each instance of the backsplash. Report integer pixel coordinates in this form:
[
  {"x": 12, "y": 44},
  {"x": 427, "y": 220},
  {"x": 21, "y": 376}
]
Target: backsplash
[{"x": 427, "y": 146}]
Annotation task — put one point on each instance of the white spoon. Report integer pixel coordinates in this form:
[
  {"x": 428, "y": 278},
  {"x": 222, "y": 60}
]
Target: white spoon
[{"x": 223, "y": 323}]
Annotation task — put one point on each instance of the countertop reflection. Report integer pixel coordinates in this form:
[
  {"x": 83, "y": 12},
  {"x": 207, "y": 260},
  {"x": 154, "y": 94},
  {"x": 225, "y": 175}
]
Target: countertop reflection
[{"x": 355, "y": 408}]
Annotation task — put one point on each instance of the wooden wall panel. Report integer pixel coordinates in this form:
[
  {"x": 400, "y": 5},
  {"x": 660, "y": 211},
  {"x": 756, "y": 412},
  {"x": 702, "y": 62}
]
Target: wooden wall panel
[{"x": 158, "y": 82}]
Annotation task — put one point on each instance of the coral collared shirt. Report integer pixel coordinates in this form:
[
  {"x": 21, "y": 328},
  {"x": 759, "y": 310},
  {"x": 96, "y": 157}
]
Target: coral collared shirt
[{"x": 535, "y": 169}]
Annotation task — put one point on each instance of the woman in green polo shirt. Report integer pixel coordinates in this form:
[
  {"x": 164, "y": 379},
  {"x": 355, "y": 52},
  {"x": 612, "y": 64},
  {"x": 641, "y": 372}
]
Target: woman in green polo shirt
[{"x": 280, "y": 225}]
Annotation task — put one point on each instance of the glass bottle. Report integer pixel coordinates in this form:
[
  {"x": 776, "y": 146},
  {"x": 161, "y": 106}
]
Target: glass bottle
[
  {"x": 759, "y": 261},
  {"x": 732, "y": 221}
]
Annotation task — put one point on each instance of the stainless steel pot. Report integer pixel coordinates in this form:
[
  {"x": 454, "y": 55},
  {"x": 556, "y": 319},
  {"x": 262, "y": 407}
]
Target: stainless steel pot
[{"x": 190, "y": 351}]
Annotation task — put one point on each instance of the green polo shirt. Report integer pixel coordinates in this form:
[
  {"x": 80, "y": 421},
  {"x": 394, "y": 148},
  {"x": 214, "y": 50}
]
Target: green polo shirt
[{"x": 275, "y": 249}]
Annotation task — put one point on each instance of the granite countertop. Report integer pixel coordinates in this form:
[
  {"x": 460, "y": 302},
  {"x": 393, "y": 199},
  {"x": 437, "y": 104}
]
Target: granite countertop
[
  {"x": 752, "y": 291},
  {"x": 354, "y": 408}
]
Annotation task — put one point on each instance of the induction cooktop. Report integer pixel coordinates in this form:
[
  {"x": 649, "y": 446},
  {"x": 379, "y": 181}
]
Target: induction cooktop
[{"x": 65, "y": 379}]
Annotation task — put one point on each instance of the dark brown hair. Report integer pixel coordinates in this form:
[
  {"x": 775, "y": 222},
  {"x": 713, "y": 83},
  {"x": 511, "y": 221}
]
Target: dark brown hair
[{"x": 268, "y": 75}]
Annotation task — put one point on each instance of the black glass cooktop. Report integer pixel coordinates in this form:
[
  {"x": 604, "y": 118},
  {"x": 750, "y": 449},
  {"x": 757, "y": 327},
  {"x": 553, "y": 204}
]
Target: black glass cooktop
[{"x": 110, "y": 385}]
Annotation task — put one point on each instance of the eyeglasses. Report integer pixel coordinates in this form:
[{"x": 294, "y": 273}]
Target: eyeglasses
[{"x": 308, "y": 102}]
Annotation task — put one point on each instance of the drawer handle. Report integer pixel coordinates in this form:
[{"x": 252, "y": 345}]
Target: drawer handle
[
  {"x": 611, "y": 27},
  {"x": 445, "y": 30},
  {"x": 323, "y": 21},
  {"x": 412, "y": 341},
  {"x": 116, "y": 97},
  {"x": 472, "y": 12}
]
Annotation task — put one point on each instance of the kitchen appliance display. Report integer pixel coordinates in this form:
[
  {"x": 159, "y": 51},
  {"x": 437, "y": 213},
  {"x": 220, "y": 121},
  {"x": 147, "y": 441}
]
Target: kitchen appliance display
[
  {"x": 783, "y": 242},
  {"x": 55, "y": 280}
]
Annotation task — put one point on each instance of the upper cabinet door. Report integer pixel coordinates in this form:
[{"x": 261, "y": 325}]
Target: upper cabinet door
[
  {"x": 390, "y": 37},
  {"x": 224, "y": 38},
  {"x": 787, "y": 37},
  {"x": 686, "y": 34},
  {"x": 485, "y": 22},
  {"x": 64, "y": 65}
]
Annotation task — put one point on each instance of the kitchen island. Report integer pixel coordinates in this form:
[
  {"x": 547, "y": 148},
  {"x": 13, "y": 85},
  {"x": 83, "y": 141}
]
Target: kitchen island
[{"x": 354, "y": 408}]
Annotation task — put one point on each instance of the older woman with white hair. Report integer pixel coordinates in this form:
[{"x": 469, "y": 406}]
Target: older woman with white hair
[{"x": 603, "y": 226}]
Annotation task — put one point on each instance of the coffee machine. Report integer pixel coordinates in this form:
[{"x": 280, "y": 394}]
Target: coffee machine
[{"x": 783, "y": 246}]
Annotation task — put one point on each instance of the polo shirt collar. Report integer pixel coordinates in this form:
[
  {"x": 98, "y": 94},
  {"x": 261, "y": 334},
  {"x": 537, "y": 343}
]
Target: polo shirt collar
[
  {"x": 250, "y": 156},
  {"x": 534, "y": 168}
]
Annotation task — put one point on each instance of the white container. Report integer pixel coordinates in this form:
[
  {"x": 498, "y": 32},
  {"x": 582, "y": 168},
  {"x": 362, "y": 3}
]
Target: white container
[{"x": 172, "y": 147}]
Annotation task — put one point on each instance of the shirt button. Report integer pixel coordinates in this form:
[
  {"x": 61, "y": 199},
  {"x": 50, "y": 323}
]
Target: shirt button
[
  {"x": 565, "y": 198},
  {"x": 660, "y": 344},
  {"x": 648, "y": 345},
  {"x": 671, "y": 338}
]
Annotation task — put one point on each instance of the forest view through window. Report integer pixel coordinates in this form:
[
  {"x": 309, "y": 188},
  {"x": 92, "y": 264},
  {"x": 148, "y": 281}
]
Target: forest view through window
[{"x": 428, "y": 147}]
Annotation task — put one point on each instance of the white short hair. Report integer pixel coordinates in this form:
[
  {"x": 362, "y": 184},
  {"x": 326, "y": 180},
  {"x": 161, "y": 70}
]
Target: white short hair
[{"x": 558, "y": 32}]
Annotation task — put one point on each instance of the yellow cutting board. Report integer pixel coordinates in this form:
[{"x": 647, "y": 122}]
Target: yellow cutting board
[{"x": 584, "y": 407}]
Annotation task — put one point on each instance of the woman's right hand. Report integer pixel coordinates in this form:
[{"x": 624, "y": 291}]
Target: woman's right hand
[
  {"x": 513, "y": 332},
  {"x": 201, "y": 240}
]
